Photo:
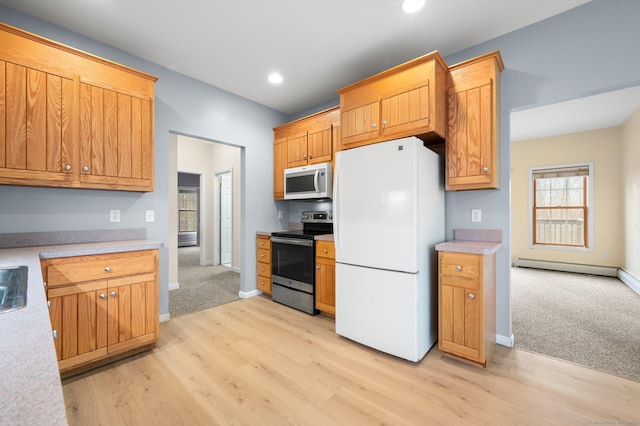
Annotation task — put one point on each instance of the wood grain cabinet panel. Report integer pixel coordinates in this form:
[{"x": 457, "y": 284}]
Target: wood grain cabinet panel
[
  {"x": 407, "y": 100},
  {"x": 326, "y": 277},
  {"x": 70, "y": 119},
  {"x": 473, "y": 144},
  {"x": 101, "y": 306},
  {"x": 466, "y": 306},
  {"x": 263, "y": 265},
  {"x": 35, "y": 133}
]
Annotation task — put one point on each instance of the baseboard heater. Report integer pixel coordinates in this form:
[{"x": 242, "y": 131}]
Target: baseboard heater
[{"x": 607, "y": 271}]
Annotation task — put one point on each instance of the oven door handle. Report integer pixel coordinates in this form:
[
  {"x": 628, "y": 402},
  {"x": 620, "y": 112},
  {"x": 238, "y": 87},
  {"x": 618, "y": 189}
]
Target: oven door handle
[{"x": 292, "y": 241}]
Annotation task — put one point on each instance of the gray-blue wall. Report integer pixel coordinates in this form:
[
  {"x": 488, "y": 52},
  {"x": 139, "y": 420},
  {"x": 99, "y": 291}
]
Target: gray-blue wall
[{"x": 587, "y": 50}]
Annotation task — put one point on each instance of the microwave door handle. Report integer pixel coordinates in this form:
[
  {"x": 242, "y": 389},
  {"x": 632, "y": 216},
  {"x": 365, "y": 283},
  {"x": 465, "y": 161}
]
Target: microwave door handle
[{"x": 316, "y": 180}]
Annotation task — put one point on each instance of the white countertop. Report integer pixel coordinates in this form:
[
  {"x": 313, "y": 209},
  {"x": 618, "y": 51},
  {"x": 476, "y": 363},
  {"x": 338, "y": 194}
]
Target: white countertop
[{"x": 31, "y": 391}]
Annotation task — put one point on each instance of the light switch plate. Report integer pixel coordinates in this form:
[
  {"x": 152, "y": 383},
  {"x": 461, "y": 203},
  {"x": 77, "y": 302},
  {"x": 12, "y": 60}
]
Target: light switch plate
[
  {"x": 114, "y": 216},
  {"x": 476, "y": 215},
  {"x": 150, "y": 216}
]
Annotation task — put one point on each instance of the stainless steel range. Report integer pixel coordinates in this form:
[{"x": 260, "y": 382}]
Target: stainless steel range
[{"x": 293, "y": 261}]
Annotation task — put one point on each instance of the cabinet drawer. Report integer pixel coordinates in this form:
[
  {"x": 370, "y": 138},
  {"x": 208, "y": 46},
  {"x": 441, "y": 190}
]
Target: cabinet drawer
[
  {"x": 264, "y": 284},
  {"x": 460, "y": 265},
  {"x": 264, "y": 255},
  {"x": 263, "y": 243},
  {"x": 325, "y": 249},
  {"x": 69, "y": 270},
  {"x": 264, "y": 270}
]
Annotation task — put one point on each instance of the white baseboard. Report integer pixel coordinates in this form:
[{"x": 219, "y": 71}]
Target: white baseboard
[
  {"x": 165, "y": 317},
  {"x": 504, "y": 340},
  {"x": 632, "y": 282},
  {"x": 174, "y": 286},
  {"x": 248, "y": 294},
  {"x": 607, "y": 271}
]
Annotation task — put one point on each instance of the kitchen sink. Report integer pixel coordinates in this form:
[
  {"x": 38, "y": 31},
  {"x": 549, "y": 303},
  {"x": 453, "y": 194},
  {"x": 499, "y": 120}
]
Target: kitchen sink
[{"x": 13, "y": 288}]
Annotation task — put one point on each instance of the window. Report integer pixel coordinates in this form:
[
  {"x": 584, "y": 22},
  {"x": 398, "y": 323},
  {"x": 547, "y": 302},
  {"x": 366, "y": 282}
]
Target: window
[{"x": 561, "y": 210}]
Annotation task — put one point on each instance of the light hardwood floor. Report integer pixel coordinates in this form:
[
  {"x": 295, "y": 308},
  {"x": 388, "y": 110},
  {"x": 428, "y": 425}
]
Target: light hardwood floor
[{"x": 254, "y": 362}]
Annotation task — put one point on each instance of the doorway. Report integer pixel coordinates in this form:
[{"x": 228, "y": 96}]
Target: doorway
[
  {"x": 224, "y": 201},
  {"x": 200, "y": 276}
]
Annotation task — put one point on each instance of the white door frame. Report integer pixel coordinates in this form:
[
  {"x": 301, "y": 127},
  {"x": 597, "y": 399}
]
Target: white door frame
[{"x": 216, "y": 207}]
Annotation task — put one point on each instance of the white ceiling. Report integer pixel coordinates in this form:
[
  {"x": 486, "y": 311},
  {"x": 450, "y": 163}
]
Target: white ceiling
[
  {"x": 318, "y": 46},
  {"x": 579, "y": 115}
]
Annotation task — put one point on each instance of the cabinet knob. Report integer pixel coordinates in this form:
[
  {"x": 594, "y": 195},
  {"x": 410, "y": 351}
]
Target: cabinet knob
[
  {"x": 304, "y": 156},
  {"x": 262, "y": 255},
  {"x": 471, "y": 296},
  {"x": 108, "y": 269},
  {"x": 113, "y": 294},
  {"x": 374, "y": 125},
  {"x": 325, "y": 251},
  {"x": 85, "y": 169},
  {"x": 458, "y": 268},
  {"x": 54, "y": 333},
  {"x": 485, "y": 169},
  {"x": 48, "y": 303},
  {"x": 67, "y": 167},
  {"x": 317, "y": 268},
  {"x": 384, "y": 122},
  {"x": 261, "y": 269},
  {"x": 102, "y": 296},
  {"x": 310, "y": 156}
]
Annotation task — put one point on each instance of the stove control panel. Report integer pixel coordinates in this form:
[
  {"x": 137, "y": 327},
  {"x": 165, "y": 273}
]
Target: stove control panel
[{"x": 317, "y": 217}]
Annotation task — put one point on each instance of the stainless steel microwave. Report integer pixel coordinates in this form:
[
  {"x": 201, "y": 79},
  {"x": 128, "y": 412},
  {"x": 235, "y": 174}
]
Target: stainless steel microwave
[{"x": 308, "y": 182}]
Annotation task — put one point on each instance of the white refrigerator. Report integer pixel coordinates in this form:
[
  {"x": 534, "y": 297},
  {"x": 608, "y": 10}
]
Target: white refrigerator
[{"x": 388, "y": 215}]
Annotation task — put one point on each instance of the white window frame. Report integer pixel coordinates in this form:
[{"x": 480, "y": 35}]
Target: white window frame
[{"x": 590, "y": 208}]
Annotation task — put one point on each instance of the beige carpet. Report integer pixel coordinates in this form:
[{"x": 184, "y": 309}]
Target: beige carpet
[
  {"x": 201, "y": 287},
  {"x": 589, "y": 320}
]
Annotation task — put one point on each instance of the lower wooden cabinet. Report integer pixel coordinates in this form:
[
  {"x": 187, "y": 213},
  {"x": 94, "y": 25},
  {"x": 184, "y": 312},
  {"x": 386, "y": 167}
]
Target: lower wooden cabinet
[
  {"x": 102, "y": 306},
  {"x": 263, "y": 257},
  {"x": 466, "y": 306},
  {"x": 326, "y": 277}
]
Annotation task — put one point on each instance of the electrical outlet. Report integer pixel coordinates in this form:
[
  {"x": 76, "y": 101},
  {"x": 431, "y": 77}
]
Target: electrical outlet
[
  {"x": 114, "y": 216},
  {"x": 476, "y": 215},
  {"x": 150, "y": 216}
]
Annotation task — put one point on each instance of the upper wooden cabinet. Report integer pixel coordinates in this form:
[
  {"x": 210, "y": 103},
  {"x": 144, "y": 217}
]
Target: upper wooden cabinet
[
  {"x": 473, "y": 143},
  {"x": 407, "y": 100},
  {"x": 71, "y": 119},
  {"x": 308, "y": 140}
]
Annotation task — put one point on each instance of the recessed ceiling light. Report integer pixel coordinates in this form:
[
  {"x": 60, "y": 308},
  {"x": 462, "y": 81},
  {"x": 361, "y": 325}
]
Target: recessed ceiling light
[
  {"x": 275, "y": 78},
  {"x": 411, "y": 6}
]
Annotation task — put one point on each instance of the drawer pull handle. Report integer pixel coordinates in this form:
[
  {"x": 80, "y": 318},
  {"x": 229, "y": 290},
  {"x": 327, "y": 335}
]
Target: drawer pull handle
[
  {"x": 458, "y": 268},
  {"x": 108, "y": 269},
  {"x": 114, "y": 294},
  {"x": 471, "y": 296}
]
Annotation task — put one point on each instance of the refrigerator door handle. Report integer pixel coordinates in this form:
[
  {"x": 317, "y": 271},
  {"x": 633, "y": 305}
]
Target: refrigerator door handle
[{"x": 336, "y": 203}]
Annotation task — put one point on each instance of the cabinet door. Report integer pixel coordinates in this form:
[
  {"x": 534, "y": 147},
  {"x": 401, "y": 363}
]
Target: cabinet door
[
  {"x": 326, "y": 285},
  {"x": 36, "y": 123},
  {"x": 471, "y": 147},
  {"x": 79, "y": 319},
  {"x": 132, "y": 311},
  {"x": 279, "y": 164},
  {"x": 319, "y": 145},
  {"x": 115, "y": 139},
  {"x": 360, "y": 123},
  {"x": 297, "y": 150},
  {"x": 460, "y": 322},
  {"x": 406, "y": 112}
]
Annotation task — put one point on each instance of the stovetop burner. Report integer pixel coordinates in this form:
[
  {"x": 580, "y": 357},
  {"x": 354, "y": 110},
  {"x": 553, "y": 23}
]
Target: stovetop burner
[{"x": 313, "y": 223}]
